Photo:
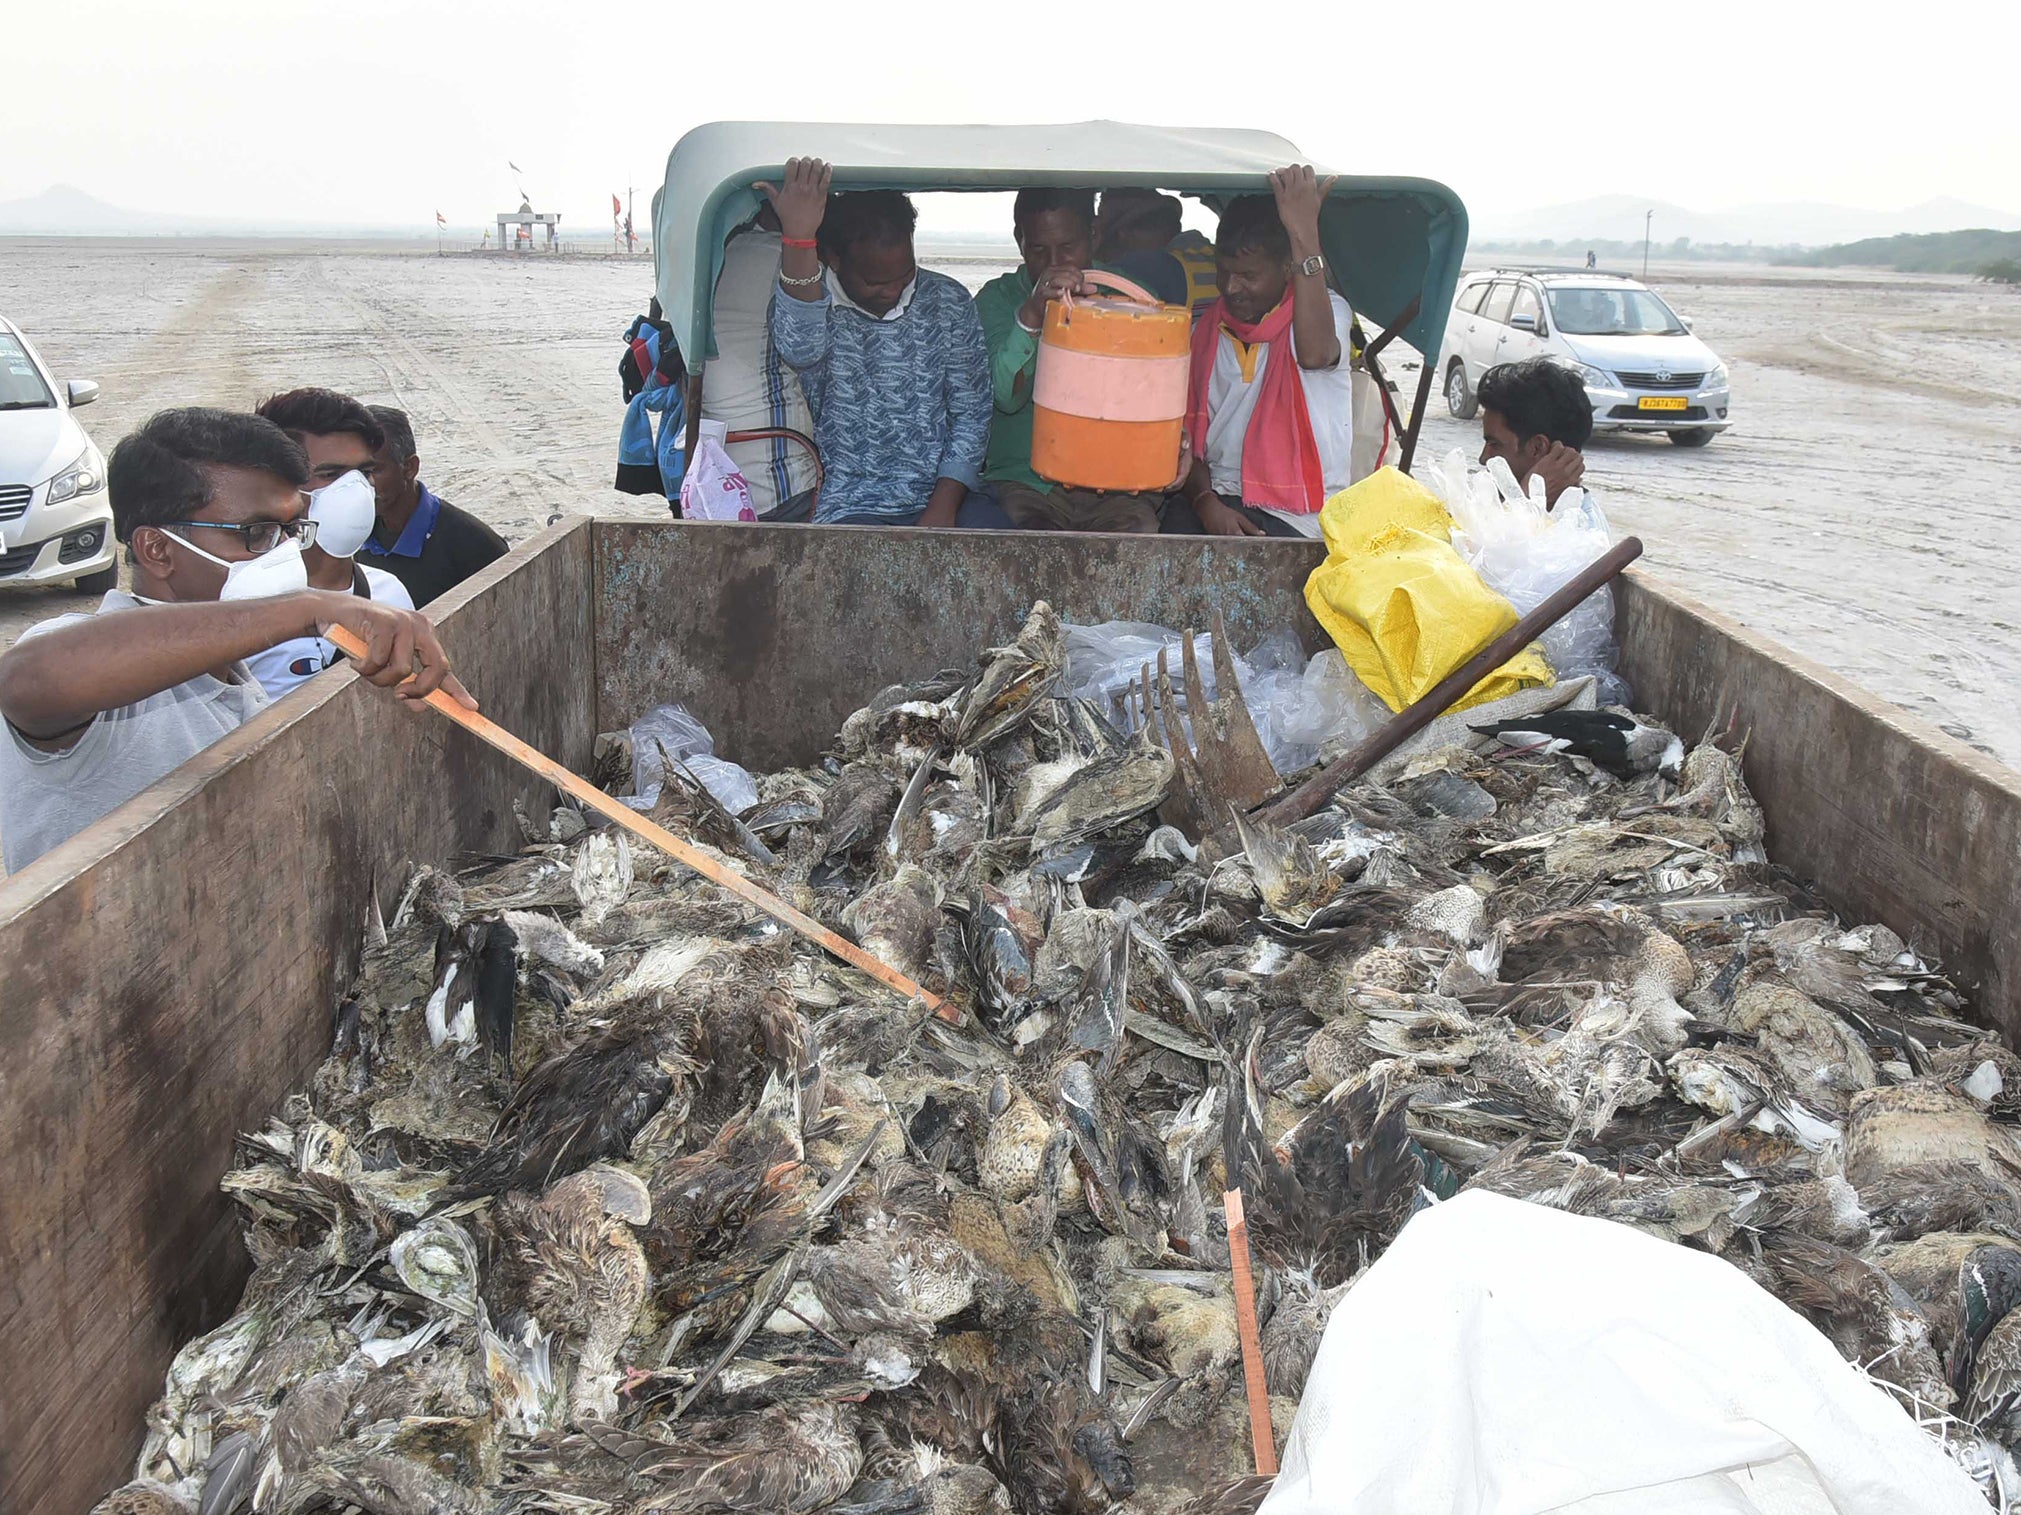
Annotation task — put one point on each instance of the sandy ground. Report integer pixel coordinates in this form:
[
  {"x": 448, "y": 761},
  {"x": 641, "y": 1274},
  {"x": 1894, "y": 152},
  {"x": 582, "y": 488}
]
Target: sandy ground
[
  {"x": 1861, "y": 507},
  {"x": 1859, "y": 510}
]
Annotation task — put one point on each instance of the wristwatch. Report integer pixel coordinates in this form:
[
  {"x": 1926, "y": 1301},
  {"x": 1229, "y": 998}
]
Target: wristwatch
[{"x": 1312, "y": 265}]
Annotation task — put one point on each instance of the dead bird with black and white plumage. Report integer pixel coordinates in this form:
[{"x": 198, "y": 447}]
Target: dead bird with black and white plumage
[{"x": 626, "y": 1199}]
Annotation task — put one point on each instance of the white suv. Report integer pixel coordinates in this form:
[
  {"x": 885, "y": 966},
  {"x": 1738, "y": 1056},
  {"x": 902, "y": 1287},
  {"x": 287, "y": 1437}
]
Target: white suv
[
  {"x": 55, "y": 516},
  {"x": 1644, "y": 370}
]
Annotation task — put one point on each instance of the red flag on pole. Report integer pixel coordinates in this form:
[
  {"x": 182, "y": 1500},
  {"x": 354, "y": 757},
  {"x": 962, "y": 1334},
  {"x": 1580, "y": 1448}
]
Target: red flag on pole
[
  {"x": 617, "y": 208},
  {"x": 440, "y": 220}
]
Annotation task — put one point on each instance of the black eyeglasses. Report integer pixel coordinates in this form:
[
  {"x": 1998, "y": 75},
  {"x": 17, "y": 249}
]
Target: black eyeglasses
[{"x": 262, "y": 536}]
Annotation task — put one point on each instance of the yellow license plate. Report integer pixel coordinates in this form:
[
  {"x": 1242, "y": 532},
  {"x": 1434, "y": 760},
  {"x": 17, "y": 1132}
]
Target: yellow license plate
[{"x": 1662, "y": 402}]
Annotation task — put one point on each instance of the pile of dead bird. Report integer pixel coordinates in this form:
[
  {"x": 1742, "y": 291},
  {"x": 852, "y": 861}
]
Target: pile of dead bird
[{"x": 613, "y": 1196}]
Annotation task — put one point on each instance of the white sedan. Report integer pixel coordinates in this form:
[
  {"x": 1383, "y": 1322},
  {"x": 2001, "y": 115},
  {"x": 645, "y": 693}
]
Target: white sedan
[{"x": 55, "y": 516}]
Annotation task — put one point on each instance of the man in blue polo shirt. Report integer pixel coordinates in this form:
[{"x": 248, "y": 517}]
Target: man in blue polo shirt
[{"x": 420, "y": 538}]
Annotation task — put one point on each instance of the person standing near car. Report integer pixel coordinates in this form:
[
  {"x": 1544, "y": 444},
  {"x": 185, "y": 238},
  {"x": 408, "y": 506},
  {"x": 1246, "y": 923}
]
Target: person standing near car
[
  {"x": 1271, "y": 396},
  {"x": 1536, "y": 418},
  {"x": 421, "y": 539},
  {"x": 98, "y": 706}
]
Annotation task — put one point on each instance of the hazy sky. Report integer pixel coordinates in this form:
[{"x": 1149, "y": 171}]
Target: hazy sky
[{"x": 377, "y": 112}]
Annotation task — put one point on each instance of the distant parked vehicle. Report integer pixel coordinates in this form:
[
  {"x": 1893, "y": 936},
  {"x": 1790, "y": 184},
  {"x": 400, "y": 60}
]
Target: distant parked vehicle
[
  {"x": 55, "y": 516},
  {"x": 1644, "y": 370}
]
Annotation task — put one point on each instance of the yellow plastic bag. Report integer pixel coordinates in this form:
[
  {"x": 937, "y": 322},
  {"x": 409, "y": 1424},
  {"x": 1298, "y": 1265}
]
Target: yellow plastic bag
[{"x": 1403, "y": 607}]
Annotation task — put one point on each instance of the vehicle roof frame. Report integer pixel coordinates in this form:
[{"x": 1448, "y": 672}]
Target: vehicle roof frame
[{"x": 1394, "y": 244}]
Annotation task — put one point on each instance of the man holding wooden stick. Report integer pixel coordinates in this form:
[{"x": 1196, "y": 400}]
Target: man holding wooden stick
[{"x": 97, "y": 707}]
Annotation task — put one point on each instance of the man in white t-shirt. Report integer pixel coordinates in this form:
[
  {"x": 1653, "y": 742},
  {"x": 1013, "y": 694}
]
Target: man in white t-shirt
[
  {"x": 745, "y": 386},
  {"x": 1270, "y": 407},
  {"x": 342, "y": 439},
  {"x": 280, "y": 669}
]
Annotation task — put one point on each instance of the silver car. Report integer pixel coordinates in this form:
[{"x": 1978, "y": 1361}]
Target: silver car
[
  {"x": 1644, "y": 369},
  {"x": 55, "y": 516}
]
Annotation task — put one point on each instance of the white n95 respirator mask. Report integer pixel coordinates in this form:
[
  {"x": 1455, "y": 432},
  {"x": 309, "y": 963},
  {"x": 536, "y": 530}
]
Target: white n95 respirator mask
[
  {"x": 278, "y": 570},
  {"x": 343, "y": 510}
]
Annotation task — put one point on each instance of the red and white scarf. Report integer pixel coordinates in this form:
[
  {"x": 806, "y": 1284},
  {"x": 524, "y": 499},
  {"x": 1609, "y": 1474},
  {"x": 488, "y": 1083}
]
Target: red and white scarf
[{"x": 1280, "y": 456}]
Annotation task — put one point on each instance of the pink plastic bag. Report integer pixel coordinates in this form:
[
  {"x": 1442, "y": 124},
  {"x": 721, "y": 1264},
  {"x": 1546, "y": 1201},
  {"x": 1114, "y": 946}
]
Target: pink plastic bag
[{"x": 713, "y": 489}]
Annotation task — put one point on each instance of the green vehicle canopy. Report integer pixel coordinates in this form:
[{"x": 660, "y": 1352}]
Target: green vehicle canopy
[{"x": 1394, "y": 245}]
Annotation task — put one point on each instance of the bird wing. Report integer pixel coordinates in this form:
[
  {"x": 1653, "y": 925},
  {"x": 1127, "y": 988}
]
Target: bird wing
[
  {"x": 793, "y": 1473},
  {"x": 497, "y": 972},
  {"x": 579, "y": 1106},
  {"x": 1002, "y": 967},
  {"x": 1996, "y": 1376},
  {"x": 1012, "y": 681},
  {"x": 1569, "y": 944},
  {"x": 229, "y": 1474},
  {"x": 1359, "y": 917},
  {"x": 771, "y": 1289},
  {"x": 1289, "y": 874},
  {"x": 311, "y": 1416},
  {"x": 1272, "y": 1194},
  {"x": 1105, "y": 997},
  {"x": 855, "y": 805},
  {"x": 1385, "y": 1172},
  {"x": 1989, "y": 1287},
  {"x": 1242, "y": 1497}
]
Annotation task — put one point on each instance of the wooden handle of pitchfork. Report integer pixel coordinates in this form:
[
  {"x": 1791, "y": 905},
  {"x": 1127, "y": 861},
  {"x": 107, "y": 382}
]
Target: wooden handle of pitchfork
[
  {"x": 1310, "y": 796},
  {"x": 1262, "y": 1435},
  {"x": 620, "y": 814}
]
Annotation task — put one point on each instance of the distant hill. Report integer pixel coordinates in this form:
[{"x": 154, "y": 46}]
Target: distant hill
[
  {"x": 66, "y": 211},
  {"x": 1617, "y": 256},
  {"x": 1764, "y": 228},
  {"x": 1950, "y": 252}
]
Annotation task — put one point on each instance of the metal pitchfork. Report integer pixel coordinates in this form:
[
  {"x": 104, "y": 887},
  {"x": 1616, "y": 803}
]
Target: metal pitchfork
[
  {"x": 1225, "y": 764},
  {"x": 1228, "y": 765}
]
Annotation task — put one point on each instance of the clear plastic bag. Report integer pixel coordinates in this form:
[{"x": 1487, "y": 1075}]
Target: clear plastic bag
[
  {"x": 687, "y": 741},
  {"x": 1524, "y": 551},
  {"x": 1298, "y": 704},
  {"x": 1104, "y": 661},
  {"x": 729, "y": 783},
  {"x": 1302, "y": 706},
  {"x": 1330, "y": 707}
]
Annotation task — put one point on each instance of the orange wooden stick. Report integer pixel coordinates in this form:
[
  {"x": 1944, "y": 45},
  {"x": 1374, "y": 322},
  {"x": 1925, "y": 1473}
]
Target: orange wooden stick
[
  {"x": 490, "y": 731},
  {"x": 1261, "y": 1436}
]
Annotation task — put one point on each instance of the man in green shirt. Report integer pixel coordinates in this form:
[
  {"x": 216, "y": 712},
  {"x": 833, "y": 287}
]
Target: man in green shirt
[{"x": 1055, "y": 232}]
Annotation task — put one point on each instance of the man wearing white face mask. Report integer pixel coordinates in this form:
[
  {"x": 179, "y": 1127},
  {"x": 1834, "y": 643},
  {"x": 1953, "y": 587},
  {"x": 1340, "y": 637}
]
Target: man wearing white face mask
[
  {"x": 343, "y": 513},
  {"x": 97, "y": 707},
  {"x": 340, "y": 437}
]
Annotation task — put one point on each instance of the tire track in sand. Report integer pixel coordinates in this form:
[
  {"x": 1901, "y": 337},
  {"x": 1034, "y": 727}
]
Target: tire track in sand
[
  {"x": 529, "y": 475},
  {"x": 422, "y": 369}
]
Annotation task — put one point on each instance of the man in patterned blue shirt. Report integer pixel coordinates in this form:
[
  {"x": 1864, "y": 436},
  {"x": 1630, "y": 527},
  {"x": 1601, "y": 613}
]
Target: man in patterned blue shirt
[{"x": 891, "y": 356}]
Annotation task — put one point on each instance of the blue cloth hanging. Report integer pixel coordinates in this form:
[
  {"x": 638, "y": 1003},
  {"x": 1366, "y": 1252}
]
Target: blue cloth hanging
[{"x": 654, "y": 377}]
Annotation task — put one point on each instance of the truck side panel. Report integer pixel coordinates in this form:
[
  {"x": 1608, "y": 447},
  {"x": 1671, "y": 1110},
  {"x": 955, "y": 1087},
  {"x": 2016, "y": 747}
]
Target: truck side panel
[
  {"x": 774, "y": 634},
  {"x": 166, "y": 978},
  {"x": 1893, "y": 820},
  {"x": 169, "y": 976}
]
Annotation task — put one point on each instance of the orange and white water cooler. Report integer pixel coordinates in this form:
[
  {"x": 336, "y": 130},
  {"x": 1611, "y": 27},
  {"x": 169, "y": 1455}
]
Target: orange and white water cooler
[{"x": 1109, "y": 394}]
